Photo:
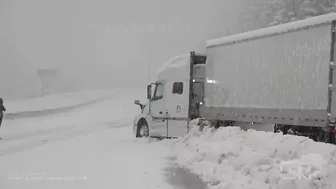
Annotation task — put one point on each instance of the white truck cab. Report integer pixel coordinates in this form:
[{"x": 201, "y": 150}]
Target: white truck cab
[{"x": 170, "y": 105}]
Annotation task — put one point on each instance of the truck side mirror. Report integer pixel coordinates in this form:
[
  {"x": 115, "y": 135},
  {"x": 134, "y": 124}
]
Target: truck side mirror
[
  {"x": 149, "y": 92},
  {"x": 136, "y": 102}
]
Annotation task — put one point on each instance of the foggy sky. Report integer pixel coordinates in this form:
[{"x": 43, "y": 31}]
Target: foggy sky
[{"x": 102, "y": 44}]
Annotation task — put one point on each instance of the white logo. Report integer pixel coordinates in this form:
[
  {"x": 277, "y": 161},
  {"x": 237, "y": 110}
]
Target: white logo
[
  {"x": 307, "y": 167},
  {"x": 178, "y": 108}
]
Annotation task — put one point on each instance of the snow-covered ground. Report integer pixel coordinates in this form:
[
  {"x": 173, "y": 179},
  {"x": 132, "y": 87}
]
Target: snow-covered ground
[
  {"x": 89, "y": 148},
  {"x": 93, "y": 147},
  {"x": 65, "y": 125},
  {"x": 103, "y": 159},
  {"x": 231, "y": 158},
  {"x": 54, "y": 101}
]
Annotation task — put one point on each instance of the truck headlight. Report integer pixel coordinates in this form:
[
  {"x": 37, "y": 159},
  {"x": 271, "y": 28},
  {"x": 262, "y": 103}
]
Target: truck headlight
[{"x": 211, "y": 81}]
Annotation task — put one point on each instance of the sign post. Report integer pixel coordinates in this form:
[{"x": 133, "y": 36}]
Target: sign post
[{"x": 46, "y": 76}]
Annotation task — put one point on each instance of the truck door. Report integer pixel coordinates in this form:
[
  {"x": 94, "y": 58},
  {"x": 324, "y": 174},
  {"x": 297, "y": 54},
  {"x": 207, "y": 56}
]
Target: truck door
[
  {"x": 159, "y": 124},
  {"x": 177, "y": 100}
]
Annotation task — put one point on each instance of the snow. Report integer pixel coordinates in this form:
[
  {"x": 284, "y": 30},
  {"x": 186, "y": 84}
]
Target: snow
[
  {"x": 54, "y": 101},
  {"x": 92, "y": 147},
  {"x": 109, "y": 159},
  {"x": 232, "y": 158},
  {"x": 274, "y": 30},
  {"x": 176, "y": 68},
  {"x": 24, "y": 133}
]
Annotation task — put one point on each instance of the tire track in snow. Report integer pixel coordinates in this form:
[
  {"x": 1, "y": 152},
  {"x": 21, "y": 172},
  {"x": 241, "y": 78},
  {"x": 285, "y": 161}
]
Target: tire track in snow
[
  {"x": 182, "y": 178},
  {"x": 39, "y": 113},
  {"x": 49, "y": 136},
  {"x": 48, "y": 129},
  {"x": 83, "y": 124}
]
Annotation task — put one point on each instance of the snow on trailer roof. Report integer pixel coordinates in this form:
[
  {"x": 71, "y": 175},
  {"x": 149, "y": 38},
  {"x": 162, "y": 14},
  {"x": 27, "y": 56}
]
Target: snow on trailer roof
[
  {"x": 176, "y": 67},
  {"x": 274, "y": 30}
]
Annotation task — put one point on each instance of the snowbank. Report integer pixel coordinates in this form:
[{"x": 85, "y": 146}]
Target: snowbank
[
  {"x": 274, "y": 30},
  {"x": 230, "y": 158},
  {"x": 54, "y": 101}
]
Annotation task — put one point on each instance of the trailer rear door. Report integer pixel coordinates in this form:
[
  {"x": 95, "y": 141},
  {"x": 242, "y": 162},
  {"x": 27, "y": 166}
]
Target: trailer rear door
[{"x": 332, "y": 74}]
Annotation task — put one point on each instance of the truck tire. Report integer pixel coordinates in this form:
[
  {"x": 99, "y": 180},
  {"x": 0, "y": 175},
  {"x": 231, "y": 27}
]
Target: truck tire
[{"x": 143, "y": 130}]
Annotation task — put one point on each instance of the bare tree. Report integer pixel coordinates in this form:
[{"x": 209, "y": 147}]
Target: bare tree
[
  {"x": 283, "y": 11},
  {"x": 264, "y": 13}
]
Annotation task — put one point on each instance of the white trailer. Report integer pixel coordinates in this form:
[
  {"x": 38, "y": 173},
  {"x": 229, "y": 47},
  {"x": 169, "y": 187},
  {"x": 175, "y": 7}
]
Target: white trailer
[{"x": 282, "y": 75}]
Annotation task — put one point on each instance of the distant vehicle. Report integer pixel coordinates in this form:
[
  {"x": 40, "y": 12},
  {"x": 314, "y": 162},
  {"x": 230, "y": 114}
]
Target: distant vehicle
[{"x": 282, "y": 75}]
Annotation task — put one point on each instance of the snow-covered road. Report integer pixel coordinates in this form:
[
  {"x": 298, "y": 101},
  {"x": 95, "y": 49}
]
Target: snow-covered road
[{"x": 88, "y": 148}]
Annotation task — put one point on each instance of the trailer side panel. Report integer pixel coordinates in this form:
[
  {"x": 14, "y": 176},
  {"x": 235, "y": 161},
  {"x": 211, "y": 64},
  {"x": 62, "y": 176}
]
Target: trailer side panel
[{"x": 285, "y": 73}]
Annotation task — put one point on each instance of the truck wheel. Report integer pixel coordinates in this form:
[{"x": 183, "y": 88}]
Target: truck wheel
[{"x": 143, "y": 130}]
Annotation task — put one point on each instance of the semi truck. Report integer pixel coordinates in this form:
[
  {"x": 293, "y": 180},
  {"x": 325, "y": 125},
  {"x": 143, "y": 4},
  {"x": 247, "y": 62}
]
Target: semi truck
[{"x": 283, "y": 76}]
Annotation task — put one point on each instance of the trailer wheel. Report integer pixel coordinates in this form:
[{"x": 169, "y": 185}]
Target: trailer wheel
[
  {"x": 276, "y": 128},
  {"x": 143, "y": 130},
  {"x": 319, "y": 137},
  {"x": 327, "y": 137},
  {"x": 221, "y": 123}
]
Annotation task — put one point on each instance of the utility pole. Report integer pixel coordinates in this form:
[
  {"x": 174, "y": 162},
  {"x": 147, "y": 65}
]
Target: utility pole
[
  {"x": 148, "y": 69},
  {"x": 149, "y": 63}
]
